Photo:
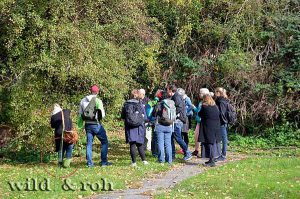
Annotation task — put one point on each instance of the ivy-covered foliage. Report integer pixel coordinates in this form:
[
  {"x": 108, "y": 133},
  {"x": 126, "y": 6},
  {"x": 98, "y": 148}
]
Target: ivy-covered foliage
[
  {"x": 249, "y": 47},
  {"x": 53, "y": 51}
]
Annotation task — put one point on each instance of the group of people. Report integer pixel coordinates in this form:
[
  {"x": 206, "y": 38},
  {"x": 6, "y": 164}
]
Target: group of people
[{"x": 153, "y": 125}]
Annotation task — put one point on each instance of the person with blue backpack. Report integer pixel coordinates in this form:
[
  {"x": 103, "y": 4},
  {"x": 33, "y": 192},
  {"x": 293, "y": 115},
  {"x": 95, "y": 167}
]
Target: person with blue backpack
[
  {"x": 133, "y": 114},
  {"x": 165, "y": 114}
]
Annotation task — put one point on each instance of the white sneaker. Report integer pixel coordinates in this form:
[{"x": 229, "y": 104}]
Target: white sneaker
[
  {"x": 145, "y": 162},
  {"x": 133, "y": 164}
]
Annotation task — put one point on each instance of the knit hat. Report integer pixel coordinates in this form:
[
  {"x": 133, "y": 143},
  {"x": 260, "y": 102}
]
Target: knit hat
[
  {"x": 56, "y": 109},
  {"x": 94, "y": 89}
]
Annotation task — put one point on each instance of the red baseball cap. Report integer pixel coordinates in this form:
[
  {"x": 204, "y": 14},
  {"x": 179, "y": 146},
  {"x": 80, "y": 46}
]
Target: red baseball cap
[{"x": 94, "y": 89}]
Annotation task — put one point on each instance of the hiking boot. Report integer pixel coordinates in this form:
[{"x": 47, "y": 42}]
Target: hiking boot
[
  {"x": 195, "y": 153},
  {"x": 180, "y": 151},
  {"x": 188, "y": 156},
  {"x": 67, "y": 163},
  {"x": 106, "y": 164},
  {"x": 220, "y": 159}
]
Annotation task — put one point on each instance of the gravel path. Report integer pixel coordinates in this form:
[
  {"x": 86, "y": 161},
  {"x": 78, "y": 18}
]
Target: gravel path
[{"x": 162, "y": 181}]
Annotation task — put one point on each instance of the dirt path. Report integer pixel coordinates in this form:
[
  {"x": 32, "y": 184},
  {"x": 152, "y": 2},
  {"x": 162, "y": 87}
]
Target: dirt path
[{"x": 165, "y": 180}]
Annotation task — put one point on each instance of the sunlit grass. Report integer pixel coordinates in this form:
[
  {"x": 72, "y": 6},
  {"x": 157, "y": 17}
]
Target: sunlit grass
[
  {"x": 256, "y": 177},
  {"x": 121, "y": 175}
]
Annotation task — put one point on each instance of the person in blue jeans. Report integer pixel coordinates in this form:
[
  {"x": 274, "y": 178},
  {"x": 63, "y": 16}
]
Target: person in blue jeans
[
  {"x": 163, "y": 133},
  {"x": 222, "y": 103},
  {"x": 57, "y": 123},
  {"x": 181, "y": 117},
  {"x": 91, "y": 111}
]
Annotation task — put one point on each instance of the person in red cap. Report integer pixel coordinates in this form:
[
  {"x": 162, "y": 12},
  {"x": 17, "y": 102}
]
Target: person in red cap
[{"x": 91, "y": 111}]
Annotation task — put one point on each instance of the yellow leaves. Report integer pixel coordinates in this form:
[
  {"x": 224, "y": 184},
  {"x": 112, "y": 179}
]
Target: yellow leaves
[{"x": 184, "y": 34}]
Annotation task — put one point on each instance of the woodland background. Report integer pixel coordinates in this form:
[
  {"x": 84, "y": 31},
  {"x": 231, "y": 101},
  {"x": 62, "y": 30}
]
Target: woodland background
[{"x": 53, "y": 51}]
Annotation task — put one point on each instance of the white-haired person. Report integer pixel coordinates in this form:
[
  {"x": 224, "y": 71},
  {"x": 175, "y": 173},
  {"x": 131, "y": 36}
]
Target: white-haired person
[{"x": 189, "y": 113}]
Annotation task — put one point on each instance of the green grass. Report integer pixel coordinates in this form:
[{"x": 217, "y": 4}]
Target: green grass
[
  {"x": 256, "y": 177},
  {"x": 121, "y": 174}
]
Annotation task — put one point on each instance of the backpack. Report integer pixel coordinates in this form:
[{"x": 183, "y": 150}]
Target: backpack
[
  {"x": 134, "y": 116},
  {"x": 168, "y": 115},
  {"x": 231, "y": 114},
  {"x": 89, "y": 112},
  {"x": 150, "y": 108}
]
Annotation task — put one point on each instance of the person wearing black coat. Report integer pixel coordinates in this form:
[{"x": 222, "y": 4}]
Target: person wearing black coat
[
  {"x": 135, "y": 135},
  {"x": 209, "y": 133},
  {"x": 180, "y": 120},
  {"x": 57, "y": 124},
  {"x": 222, "y": 103}
]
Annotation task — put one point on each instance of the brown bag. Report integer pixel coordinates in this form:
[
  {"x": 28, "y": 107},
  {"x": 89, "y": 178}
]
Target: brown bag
[{"x": 70, "y": 137}]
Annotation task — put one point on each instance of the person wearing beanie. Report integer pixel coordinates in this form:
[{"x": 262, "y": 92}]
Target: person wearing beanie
[
  {"x": 91, "y": 112},
  {"x": 56, "y": 122}
]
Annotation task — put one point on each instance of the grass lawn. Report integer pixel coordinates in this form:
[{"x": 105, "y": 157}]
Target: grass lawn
[
  {"x": 121, "y": 175},
  {"x": 255, "y": 177}
]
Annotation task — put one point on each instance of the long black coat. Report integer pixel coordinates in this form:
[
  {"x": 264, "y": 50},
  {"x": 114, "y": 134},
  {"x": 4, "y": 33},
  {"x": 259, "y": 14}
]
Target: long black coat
[{"x": 210, "y": 131}]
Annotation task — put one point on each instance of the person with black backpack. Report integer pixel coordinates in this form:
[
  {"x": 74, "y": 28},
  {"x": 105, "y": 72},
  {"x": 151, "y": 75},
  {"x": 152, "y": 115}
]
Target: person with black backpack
[
  {"x": 133, "y": 114},
  {"x": 165, "y": 114},
  {"x": 91, "y": 112},
  {"x": 227, "y": 116}
]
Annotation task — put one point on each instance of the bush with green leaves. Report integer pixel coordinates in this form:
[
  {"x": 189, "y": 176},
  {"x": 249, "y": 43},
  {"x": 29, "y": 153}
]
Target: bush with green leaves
[{"x": 53, "y": 51}]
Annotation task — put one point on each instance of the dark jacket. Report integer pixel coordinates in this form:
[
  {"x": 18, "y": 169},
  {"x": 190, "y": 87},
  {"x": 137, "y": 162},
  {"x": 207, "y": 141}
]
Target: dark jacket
[
  {"x": 133, "y": 134},
  {"x": 210, "y": 131},
  {"x": 180, "y": 107},
  {"x": 222, "y": 104},
  {"x": 56, "y": 122}
]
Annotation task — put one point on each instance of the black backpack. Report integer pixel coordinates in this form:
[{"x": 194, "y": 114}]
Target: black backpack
[
  {"x": 231, "y": 114},
  {"x": 89, "y": 112},
  {"x": 134, "y": 116}
]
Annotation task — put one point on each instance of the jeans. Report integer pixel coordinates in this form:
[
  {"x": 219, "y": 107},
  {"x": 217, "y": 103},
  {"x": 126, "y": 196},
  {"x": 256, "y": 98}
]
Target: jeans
[
  {"x": 98, "y": 131},
  {"x": 164, "y": 134},
  {"x": 177, "y": 136},
  {"x": 67, "y": 149},
  {"x": 224, "y": 139}
]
